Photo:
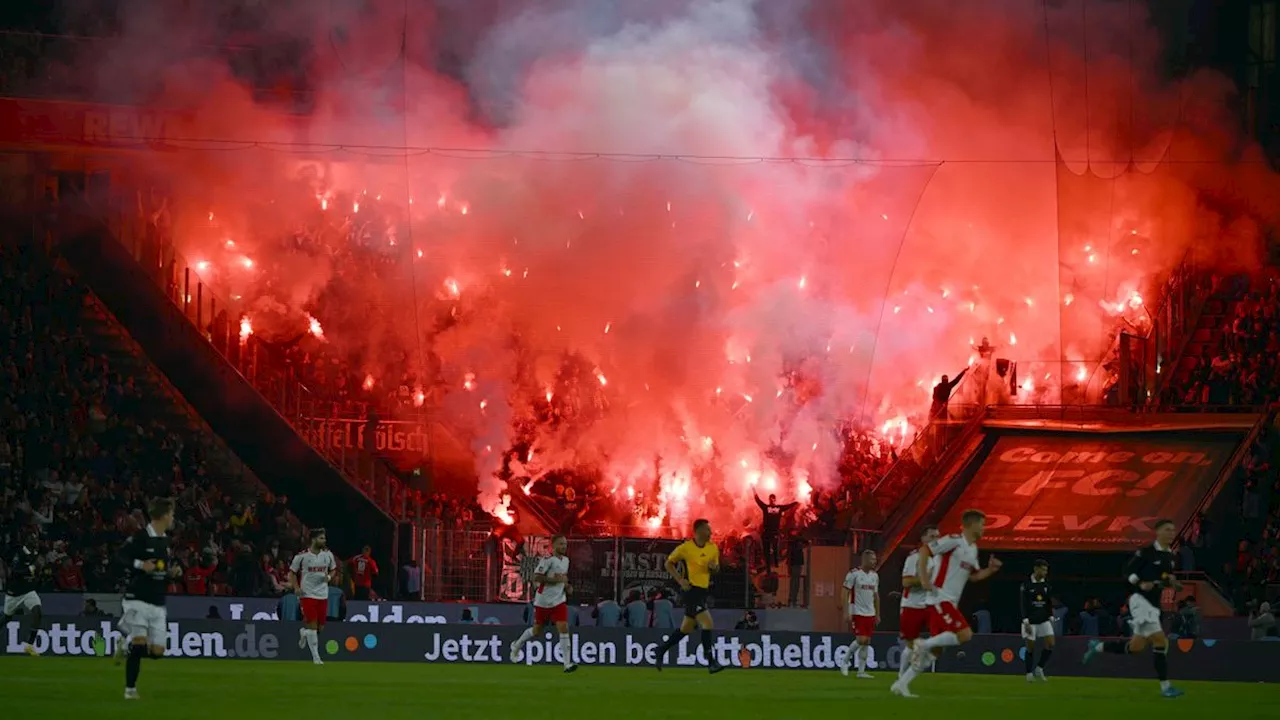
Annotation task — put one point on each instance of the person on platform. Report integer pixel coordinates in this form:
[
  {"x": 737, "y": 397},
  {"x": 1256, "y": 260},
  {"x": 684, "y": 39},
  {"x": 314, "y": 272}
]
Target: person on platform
[
  {"x": 942, "y": 395},
  {"x": 771, "y": 526}
]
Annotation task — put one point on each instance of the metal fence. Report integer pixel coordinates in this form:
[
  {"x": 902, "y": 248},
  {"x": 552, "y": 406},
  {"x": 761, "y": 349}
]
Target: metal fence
[{"x": 463, "y": 565}]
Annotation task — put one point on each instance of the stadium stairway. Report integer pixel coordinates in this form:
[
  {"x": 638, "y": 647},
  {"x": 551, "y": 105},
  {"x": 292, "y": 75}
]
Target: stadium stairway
[
  {"x": 1208, "y": 336},
  {"x": 320, "y": 494},
  {"x": 940, "y": 484}
]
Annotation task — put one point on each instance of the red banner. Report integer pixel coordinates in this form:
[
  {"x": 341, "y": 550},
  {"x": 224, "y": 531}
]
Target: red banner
[
  {"x": 1089, "y": 492},
  {"x": 36, "y": 122}
]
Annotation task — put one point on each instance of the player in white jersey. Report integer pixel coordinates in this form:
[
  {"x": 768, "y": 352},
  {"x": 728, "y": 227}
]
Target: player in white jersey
[
  {"x": 957, "y": 564},
  {"x": 913, "y": 618},
  {"x": 861, "y": 597},
  {"x": 550, "y": 602},
  {"x": 310, "y": 571}
]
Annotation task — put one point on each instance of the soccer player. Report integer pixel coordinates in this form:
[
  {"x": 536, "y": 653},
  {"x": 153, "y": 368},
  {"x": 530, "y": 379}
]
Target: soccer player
[
  {"x": 861, "y": 598},
  {"x": 20, "y": 596},
  {"x": 913, "y": 619},
  {"x": 1149, "y": 571},
  {"x": 1037, "y": 619},
  {"x": 310, "y": 571},
  {"x": 701, "y": 557},
  {"x": 550, "y": 603},
  {"x": 146, "y": 559},
  {"x": 957, "y": 564}
]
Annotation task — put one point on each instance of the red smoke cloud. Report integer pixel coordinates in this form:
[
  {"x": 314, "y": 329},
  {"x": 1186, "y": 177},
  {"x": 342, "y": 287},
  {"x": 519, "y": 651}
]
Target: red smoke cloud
[{"x": 748, "y": 224}]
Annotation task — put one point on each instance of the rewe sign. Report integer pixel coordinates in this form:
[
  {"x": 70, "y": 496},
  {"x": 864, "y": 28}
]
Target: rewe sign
[{"x": 1090, "y": 491}]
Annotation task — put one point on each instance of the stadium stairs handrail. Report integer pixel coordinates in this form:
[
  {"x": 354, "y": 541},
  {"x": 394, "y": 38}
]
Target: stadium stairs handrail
[
  {"x": 1194, "y": 306},
  {"x": 1228, "y": 470},
  {"x": 252, "y": 349},
  {"x": 897, "y": 524}
]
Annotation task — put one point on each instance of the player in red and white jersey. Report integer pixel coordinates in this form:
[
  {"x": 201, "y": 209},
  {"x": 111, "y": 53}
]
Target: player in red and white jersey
[
  {"x": 861, "y": 596},
  {"x": 913, "y": 618},
  {"x": 957, "y": 563},
  {"x": 550, "y": 602},
  {"x": 310, "y": 572}
]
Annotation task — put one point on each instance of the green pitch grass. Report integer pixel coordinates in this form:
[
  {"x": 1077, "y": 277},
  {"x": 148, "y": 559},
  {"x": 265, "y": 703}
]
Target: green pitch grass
[{"x": 178, "y": 689}]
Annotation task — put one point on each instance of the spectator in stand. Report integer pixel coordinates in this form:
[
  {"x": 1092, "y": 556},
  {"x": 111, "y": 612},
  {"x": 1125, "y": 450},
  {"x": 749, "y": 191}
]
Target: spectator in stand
[
  {"x": 196, "y": 577},
  {"x": 78, "y": 454},
  {"x": 1262, "y": 623},
  {"x": 69, "y": 577},
  {"x": 636, "y": 612},
  {"x": 795, "y": 569},
  {"x": 663, "y": 611},
  {"x": 364, "y": 570},
  {"x": 411, "y": 581},
  {"x": 607, "y": 613}
]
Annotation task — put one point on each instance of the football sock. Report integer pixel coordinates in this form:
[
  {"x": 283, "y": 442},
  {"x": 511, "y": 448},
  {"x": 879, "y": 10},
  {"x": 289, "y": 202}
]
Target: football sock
[
  {"x": 853, "y": 650},
  {"x": 566, "y": 649},
  {"x": 1044, "y": 657},
  {"x": 709, "y": 646},
  {"x": 1031, "y": 658},
  {"x": 672, "y": 641},
  {"x": 133, "y": 666},
  {"x": 1116, "y": 647},
  {"x": 313, "y": 642},
  {"x": 524, "y": 638},
  {"x": 943, "y": 640},
  {"x": 909, "y": 675},
  {"x": 905, "y": 662},
  {"x": 1160, "y": 656}
]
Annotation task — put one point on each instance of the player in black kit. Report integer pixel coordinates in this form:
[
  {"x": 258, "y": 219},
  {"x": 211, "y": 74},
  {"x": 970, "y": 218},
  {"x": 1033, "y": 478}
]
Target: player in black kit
[
  {"x": 20, "y": 592},
  {"x": 1149, "y": 571},
  {"x": 1037, "y": 618},
  {"x": 146, "y": 559}
]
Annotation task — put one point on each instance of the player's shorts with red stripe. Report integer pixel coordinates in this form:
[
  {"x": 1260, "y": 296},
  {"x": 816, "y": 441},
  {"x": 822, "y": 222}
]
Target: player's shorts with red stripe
[
  {"x": 863, "y": 625},
  {"x": 551, "y": 615},
  {"x": 944, "y": 617},
  {"x": 314, "y": 610},
  {"x": 912, "y": 622}
]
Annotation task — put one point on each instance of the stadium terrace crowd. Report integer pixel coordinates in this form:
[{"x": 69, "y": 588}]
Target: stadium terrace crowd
[
  {"x": 79, "y": 457},
  {"x": 1245, "y": 367}
]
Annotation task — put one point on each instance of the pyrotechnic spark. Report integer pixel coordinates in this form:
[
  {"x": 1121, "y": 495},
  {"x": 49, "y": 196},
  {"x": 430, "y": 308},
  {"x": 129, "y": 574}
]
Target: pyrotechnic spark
[
  {"x": 368, "y": 382},
  {"x": 247, "y": 263},
  {"x": 313, "y": 327},
  {"x": 202, "y": 266},
  {"x": 246, "y": 329},
  {"x": 469, "y": 381},
  {"x": 452, "y": 287}
]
